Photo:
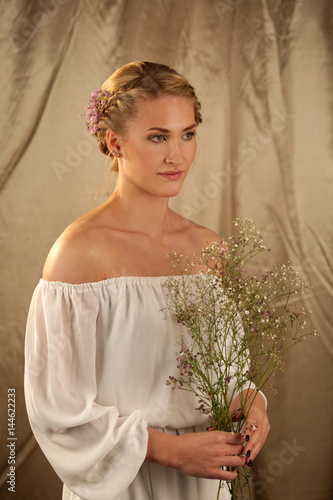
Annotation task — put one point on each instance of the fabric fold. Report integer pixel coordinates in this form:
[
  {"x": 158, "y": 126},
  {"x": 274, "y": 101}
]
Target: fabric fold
[
  {"x": 95, "y": 452},
  {"x": 98, "y": 356}
]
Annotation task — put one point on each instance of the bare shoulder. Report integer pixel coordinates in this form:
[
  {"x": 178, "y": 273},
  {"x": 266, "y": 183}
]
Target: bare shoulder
[
  {"x": 196, "y": 238},
  {"x": 201, "y": 235},
  {"x": 75, "y": 255},
  {"x": 207, "y": 236}
]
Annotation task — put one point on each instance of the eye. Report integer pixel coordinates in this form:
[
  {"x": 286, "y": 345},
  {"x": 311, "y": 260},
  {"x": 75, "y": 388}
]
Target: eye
[
  {"x": 157, "y": 138},
  {"x": 188, "y": 136}
]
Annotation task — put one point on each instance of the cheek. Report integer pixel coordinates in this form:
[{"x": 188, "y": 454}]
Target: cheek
[
  {"x": 153, "y": 154},
  {"x": 192, "y": 151}
]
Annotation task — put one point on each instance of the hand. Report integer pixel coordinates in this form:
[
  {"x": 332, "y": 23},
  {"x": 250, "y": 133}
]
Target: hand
[
  {"x": 203, "y": 454},
  {"x": 256, "y": 426},
  {"x": 199, "y": 454}
]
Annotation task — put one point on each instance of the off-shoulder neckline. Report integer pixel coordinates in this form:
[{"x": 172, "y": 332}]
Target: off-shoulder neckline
[{"x": 108, "y": 281}]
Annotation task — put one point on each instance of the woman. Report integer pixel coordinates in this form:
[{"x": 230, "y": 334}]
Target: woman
[{"x": 97, "y": 351}]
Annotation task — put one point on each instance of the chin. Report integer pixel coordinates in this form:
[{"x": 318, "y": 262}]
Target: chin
[{"x": 171, "y": 192}]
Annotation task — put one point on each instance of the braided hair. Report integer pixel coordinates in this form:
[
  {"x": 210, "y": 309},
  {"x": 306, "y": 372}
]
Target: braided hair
[{"x": 129, "y": 85}]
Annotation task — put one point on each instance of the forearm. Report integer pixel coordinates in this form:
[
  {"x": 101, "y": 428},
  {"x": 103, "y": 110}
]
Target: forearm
[{"x": 161, "y": 448}]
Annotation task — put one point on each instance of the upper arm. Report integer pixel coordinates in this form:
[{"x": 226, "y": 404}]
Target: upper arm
[{"x": 73, "y": 258}]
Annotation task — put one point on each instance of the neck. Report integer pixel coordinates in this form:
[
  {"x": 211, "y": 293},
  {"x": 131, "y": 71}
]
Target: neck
[{"x": 141, "y": 212}]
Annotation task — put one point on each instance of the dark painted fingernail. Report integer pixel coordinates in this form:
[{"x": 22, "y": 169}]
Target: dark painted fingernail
[
  {"x": 248, "y": 453},
  {"x": 250, "y": 463},
  {"x": 247, "y": 437}
]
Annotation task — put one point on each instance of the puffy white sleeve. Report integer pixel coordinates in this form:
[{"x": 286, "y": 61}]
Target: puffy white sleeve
[{"x": 95, "y": 452}]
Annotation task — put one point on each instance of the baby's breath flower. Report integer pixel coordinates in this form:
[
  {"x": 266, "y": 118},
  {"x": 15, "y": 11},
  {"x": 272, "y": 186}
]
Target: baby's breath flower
[{"x": 232, "y": 321}]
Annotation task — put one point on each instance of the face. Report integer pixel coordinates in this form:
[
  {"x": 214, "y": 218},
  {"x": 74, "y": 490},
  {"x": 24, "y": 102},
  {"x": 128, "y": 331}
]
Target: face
[{"x": 159, "y": 146}]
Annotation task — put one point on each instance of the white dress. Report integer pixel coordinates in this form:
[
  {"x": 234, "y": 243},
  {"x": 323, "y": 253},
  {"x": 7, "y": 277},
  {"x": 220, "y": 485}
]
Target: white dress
[{"x": 98, "y": 356}]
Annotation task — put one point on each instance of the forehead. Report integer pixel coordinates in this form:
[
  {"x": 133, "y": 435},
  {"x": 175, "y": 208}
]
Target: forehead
[{"x": 169, "y": 112}]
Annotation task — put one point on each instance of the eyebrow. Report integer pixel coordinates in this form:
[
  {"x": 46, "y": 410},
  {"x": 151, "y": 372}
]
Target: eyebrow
[{"x": 161, "y": 129}]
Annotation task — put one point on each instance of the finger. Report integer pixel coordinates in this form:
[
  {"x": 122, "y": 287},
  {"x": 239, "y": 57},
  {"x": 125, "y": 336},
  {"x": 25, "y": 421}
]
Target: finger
[
  {"x": 234, "y": 450},
  {"x": 226, "y": 475},
  {"x": 234, "y": 460},
  {"x": 235, "y": 438},
  {"x": 252, "y": 432},
  {"x": 255, "y": 441},
  {"x": 260, "y": 439},
  {"x": 232, "y": 437}
]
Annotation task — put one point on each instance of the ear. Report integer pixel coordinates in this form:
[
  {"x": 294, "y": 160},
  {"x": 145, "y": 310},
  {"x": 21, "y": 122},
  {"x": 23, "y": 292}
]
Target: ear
[{"x": 112, "y": 140}]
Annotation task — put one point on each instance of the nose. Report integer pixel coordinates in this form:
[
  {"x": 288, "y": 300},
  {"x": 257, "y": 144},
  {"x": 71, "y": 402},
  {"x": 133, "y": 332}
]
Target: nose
[{"x": 173, "y": 154}]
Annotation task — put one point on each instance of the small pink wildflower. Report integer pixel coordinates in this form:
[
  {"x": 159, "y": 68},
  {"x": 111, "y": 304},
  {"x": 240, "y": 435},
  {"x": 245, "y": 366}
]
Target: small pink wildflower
[{"x": 94, "y": 112}]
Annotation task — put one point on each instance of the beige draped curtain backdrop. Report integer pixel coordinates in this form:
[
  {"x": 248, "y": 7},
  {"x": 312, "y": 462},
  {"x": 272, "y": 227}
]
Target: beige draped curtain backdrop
[{"x": 264, "y": 72}]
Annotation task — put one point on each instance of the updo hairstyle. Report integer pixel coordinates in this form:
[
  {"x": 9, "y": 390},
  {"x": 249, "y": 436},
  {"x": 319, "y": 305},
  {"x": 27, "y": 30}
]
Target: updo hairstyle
[{"x": 132, "y": 83}]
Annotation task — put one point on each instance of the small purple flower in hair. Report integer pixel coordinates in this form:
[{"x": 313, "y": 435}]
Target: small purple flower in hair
[{"x": 94, "y": 112}]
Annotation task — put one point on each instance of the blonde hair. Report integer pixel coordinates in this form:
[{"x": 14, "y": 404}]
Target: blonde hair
[{"x": 132, "y": 83}]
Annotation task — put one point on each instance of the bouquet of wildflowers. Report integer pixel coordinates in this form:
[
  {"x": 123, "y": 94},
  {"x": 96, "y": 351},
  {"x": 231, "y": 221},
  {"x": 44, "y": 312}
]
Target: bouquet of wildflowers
[{"x": 237, "y": 327}]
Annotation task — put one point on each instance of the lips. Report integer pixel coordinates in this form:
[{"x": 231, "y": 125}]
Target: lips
[{"x": 172, "y": 175}]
